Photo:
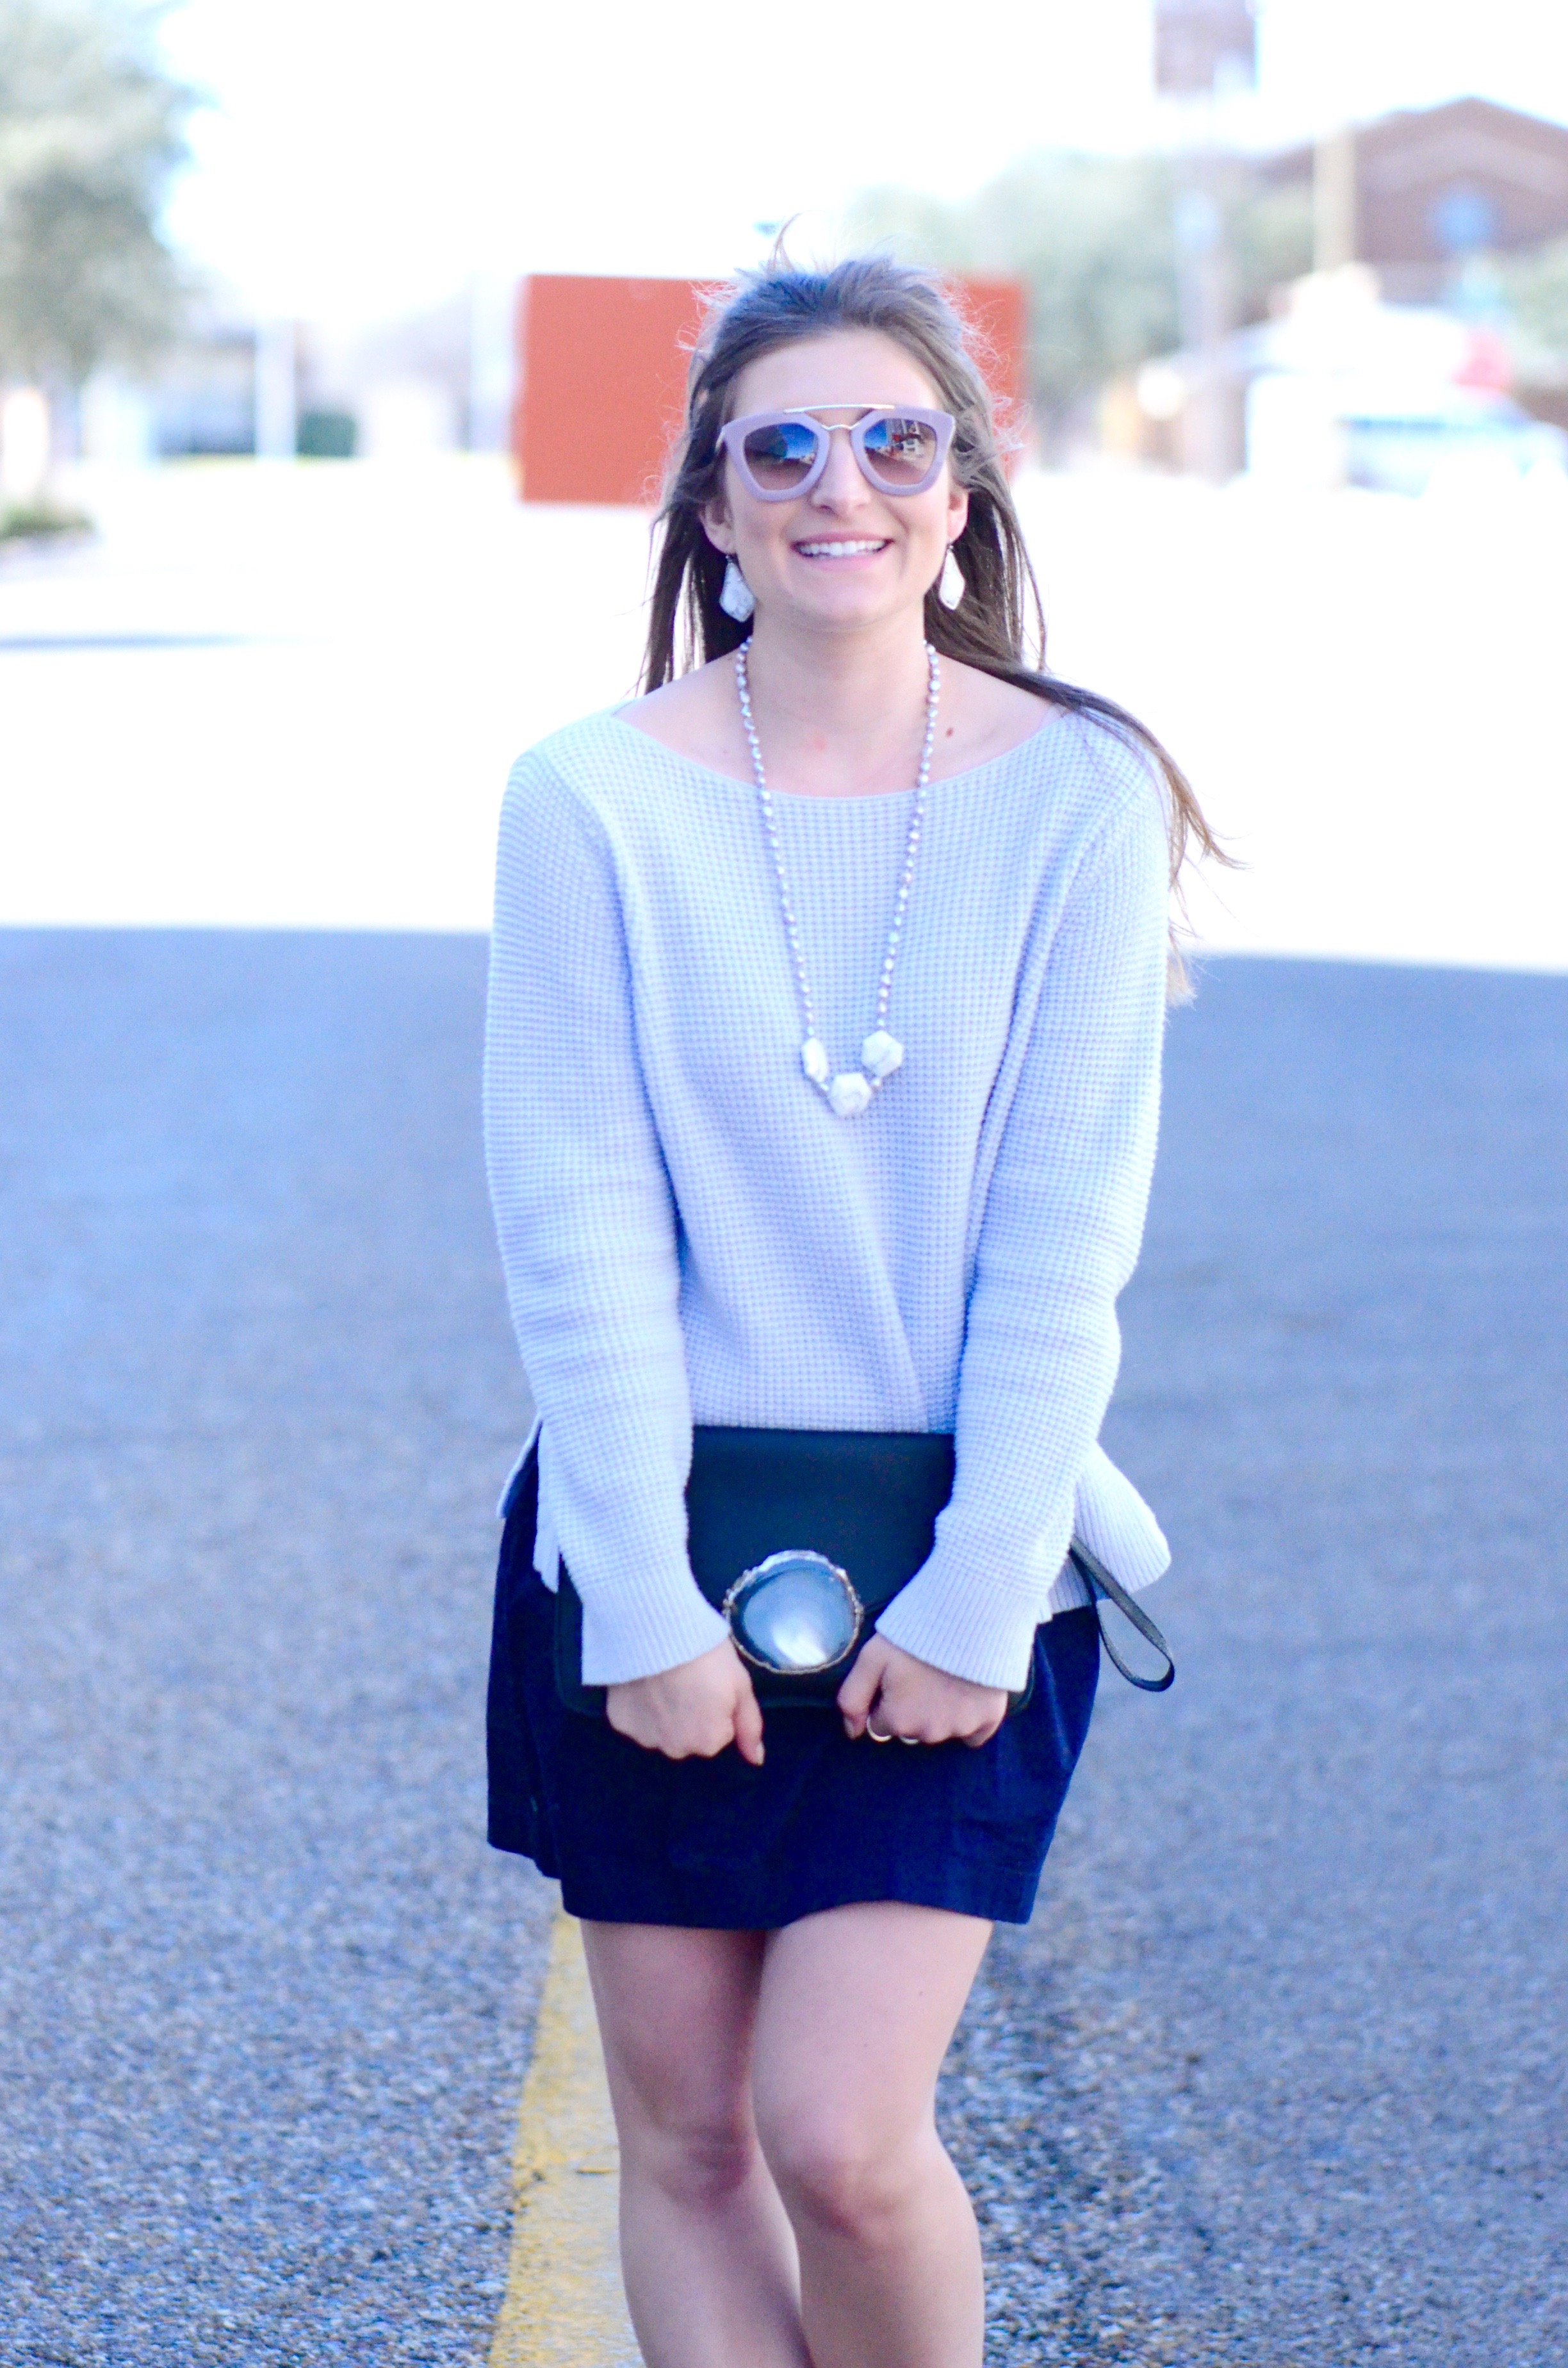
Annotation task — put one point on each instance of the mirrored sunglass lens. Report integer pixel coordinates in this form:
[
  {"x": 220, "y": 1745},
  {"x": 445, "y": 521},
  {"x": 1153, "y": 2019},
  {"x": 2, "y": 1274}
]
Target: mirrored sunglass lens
[
  {"x": 780, "y": 456},
  {"x": 899, "y": 451}
]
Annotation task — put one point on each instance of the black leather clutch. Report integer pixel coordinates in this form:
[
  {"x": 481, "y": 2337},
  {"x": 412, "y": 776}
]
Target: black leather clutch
[{"x": 802, "y": 1538}]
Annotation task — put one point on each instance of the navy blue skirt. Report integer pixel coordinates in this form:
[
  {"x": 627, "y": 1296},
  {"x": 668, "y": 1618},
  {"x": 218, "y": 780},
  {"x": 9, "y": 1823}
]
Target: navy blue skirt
[{"x": 636, "y": 1838}]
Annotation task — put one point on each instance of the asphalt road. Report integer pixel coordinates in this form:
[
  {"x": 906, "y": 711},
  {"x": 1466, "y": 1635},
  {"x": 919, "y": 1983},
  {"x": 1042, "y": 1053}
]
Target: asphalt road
[
  {"x": 1275, "y": 2078},
  {"x": 1277, "y": 2075},
  {"x": 264, "y": 1991}
]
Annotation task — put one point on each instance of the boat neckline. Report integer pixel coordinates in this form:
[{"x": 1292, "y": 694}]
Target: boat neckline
[{"x": 855, "y": 797}]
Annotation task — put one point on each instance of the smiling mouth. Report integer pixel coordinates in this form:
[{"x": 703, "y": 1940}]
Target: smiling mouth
[{"x": 860, "y": 548}]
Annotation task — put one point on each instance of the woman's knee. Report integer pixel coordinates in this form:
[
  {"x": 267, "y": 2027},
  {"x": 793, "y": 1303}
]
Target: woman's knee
[
  {"x": 679, "y": 2080},
  {"x": 693, "y": 2159},
  {"x": 694, "y": 2137},
  {"x": 697, "y": 2163},
  {"x": 854, "y": 2178}
]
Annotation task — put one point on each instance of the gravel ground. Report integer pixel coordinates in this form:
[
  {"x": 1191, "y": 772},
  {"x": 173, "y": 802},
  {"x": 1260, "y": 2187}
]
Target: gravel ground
[
  {"x": 264, "y": 1991},
  {"x": 1275, "y": 2078}
]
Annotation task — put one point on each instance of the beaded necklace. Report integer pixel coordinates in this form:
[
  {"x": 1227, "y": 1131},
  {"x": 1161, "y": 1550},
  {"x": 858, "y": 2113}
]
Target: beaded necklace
[{"x": 850, "y": 1091}]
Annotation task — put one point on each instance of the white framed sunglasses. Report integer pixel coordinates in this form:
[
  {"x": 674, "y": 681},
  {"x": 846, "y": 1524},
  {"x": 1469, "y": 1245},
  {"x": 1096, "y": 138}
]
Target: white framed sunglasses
[{"x": 781, "y": 454}]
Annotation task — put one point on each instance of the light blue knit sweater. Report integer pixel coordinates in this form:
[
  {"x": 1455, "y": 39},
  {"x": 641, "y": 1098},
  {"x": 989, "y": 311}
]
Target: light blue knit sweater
[{"x": 689, "y": 1234}]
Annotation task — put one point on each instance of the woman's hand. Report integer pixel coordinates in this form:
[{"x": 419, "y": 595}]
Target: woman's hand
[
  {"x": 889, "y": 1689},
  {"x": 691, "y": 1711}
]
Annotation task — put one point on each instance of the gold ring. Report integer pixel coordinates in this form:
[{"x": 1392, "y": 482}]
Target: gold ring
[{"x": 875, "y": 1736}]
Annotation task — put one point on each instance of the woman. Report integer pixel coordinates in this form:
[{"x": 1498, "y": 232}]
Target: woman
[{"x": 857, "y": 818}]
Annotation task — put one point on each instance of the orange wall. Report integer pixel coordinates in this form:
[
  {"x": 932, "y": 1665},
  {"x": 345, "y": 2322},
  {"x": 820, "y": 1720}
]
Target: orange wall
[
  {"x": 996, "y": 313},
  {"x": 601, "y": 378},
  {"x": 601, "y": 370}
]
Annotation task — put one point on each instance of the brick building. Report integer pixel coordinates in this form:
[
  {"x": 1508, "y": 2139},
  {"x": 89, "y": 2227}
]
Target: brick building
[{"x": 1434, "y": 186}]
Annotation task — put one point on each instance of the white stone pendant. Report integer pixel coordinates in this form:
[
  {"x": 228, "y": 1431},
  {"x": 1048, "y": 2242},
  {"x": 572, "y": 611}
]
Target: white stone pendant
[
  {"x": 850, "y": 1094},
  {"x": 736, "y": 595},
  {"x": 881, "y": 1054},
  {"x": 814, "y": 1061}
]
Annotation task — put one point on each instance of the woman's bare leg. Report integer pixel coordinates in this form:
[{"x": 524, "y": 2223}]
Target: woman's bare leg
[
  {"x": 856, "y": 2012},
  {"x": 706, "y": 2249}
]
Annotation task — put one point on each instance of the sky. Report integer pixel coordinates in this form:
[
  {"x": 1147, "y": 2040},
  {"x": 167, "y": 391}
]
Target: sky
[{"x": 362, "y": 157}]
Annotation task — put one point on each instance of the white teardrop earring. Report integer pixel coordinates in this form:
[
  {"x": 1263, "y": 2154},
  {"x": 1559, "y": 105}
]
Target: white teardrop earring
[
  {"x": 949, "y": 584},
  {"x": 736, "y": 595}
]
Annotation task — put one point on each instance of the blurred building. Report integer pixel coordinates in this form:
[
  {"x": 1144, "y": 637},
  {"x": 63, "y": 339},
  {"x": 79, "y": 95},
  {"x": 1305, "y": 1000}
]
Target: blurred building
[
  {"x": 1204, "y": 46},
  {"x": 203, "y": 401},
  {"x": 436, "y": 380},
  {"x": 1430, "y": 189},
  {"x": 1394, "y": 362},
  {"x": 1343, "y": 388}
]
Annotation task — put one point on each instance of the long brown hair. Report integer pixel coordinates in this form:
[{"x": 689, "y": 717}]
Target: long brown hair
[{"x": 779, "y": 306}]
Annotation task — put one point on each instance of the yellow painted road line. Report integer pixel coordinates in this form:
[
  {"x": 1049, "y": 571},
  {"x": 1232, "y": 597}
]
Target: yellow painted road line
[{"x": 564, "y": 2307}]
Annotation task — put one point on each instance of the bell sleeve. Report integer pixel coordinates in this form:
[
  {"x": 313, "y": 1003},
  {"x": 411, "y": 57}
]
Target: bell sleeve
[
  {"x": 1059, "y": 1238},
  {"x": 587, "y": 1229}
]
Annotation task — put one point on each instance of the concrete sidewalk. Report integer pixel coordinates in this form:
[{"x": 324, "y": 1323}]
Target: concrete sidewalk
[{"x": 289, "y": 696}]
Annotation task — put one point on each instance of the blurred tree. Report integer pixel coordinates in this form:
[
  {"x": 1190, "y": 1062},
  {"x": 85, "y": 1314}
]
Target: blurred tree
[
  {"x": 1270, "y": 231},
  {"x": 1537, "y": 288},
  {"x": 91, "y": 130},
  {"x": 1093, "y": 239}
]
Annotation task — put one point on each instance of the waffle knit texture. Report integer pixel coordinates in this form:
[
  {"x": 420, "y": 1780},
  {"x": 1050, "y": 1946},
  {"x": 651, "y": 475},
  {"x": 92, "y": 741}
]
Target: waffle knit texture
[{"x": 689, "y": 1234}]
